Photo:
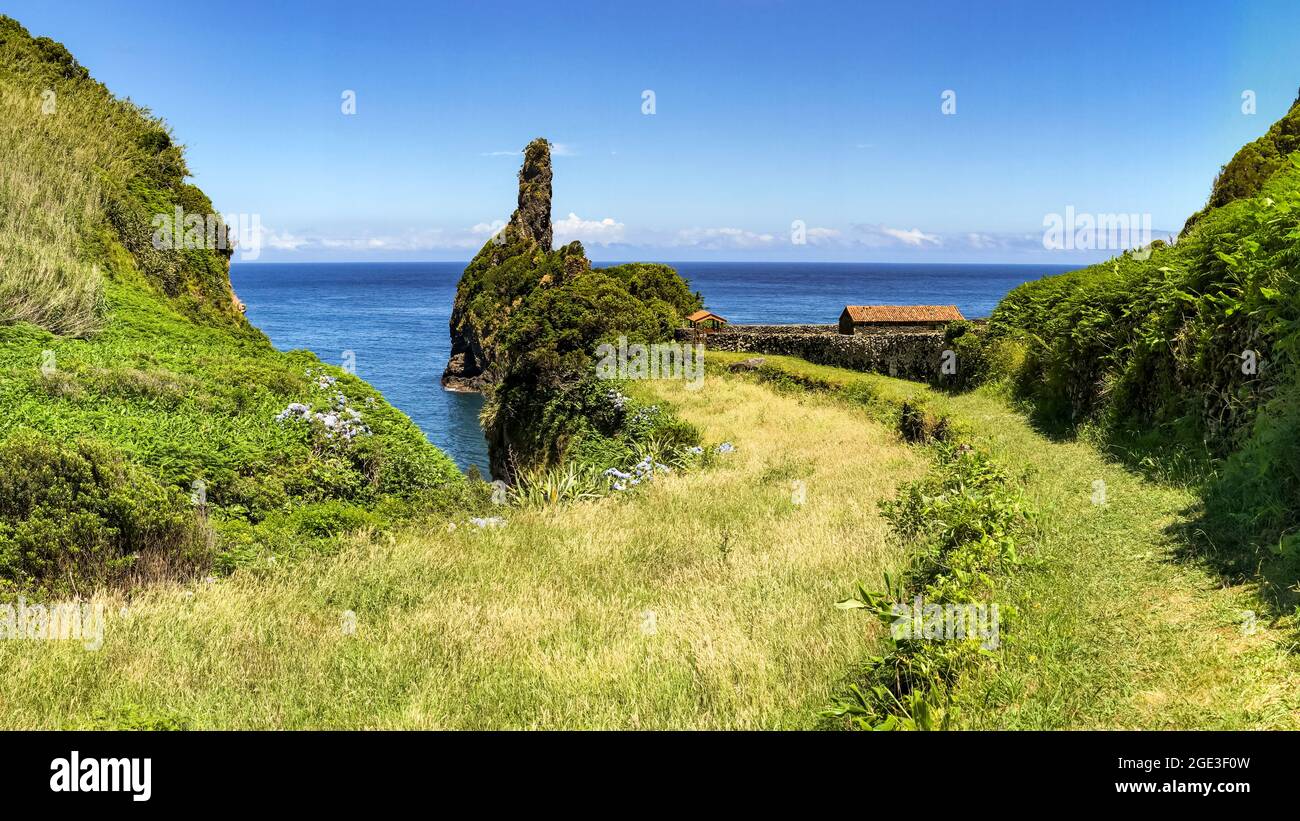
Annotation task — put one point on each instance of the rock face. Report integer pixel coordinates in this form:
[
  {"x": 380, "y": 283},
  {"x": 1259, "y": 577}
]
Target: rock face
[
  {"x": 751, "y": 364},
  {"x": 526, "y": 235},
  {"x": 533, "y": 214}
]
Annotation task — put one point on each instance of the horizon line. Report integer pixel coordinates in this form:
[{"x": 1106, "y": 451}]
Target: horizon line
[{"x": 1076, "y": 264}]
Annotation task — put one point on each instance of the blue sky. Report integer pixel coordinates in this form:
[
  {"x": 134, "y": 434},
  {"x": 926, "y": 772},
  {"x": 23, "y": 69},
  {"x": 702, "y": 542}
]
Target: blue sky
[{"x": 765, "y": 113}]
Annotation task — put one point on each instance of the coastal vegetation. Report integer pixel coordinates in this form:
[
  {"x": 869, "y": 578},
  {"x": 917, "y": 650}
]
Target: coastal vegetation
[
  {"x": 704, "y": 599},
  {"x": 272, "y": 545},
  {"x": 526, "y": 326},
  {"x": 1108, "y": 620},
  {"x": 1184, "y": 360},
  {"x": 149, "y": 431}
]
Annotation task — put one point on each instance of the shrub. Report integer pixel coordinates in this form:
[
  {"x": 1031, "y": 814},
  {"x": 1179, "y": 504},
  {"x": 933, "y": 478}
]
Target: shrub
[
  {"x": 917, "y": 424},
  {"x": 968, "y": 522},
  {"x": 333, "y": 518},
  {"x": 80, "y": 510},
  {"x": 1153, "y": 351}
]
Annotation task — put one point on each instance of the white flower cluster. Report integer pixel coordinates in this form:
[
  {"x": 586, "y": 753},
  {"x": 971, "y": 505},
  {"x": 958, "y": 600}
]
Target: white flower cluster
[
  {"x": 643, "y": 471},
  {"x": 490, "y": 521},
  {"x": 345, "y": 423},
  {"x": 644, "y": 414},
  {"x": 339, "y": 422},
  {"x": 616, "y": 399}
]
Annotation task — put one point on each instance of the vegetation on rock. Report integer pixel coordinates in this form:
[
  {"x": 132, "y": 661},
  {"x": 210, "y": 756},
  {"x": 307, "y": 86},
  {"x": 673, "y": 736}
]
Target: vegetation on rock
[{"x": 526, "y": 324}]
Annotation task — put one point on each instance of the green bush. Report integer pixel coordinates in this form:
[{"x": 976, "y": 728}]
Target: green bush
[
  {"x": 548, "y": 395},
  {"x": 81, "y": 511},
  {"x": 138, "y": 359},
  {"x": 968, "y": 523}
]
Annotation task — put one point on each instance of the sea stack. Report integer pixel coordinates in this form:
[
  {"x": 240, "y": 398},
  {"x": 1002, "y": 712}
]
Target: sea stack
[{"x": 527, "y": 236}]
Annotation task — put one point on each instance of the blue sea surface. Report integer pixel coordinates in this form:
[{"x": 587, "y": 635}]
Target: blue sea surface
[
  {"x": 393, "y": 316},
  {"x": 816, "y": 292}
]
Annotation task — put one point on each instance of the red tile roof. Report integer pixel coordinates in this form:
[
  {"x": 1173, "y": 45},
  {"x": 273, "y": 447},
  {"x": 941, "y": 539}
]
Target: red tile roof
[{"x": 903, "y": 314}]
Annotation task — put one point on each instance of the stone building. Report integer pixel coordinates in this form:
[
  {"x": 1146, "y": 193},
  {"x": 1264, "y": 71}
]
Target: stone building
[{"x": 857, "y": 319}]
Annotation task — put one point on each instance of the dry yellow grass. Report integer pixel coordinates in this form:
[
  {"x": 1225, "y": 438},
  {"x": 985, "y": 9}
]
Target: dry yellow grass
[{"x": 705, "y": 601}]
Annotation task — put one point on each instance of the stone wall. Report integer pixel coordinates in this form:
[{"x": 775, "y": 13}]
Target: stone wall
[
  {"x": 782, "y": 329},
  {"x": 906, "y": 355}
]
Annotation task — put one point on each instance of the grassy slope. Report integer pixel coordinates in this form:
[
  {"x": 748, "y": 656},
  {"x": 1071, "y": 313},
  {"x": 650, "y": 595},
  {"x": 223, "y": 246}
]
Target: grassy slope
[
  {"x": 477, "y": 629},
  {"x": 1118, "y": 631},
  {"x": 1149, "y": 353},
  {"x": 190, "y": 401},
  {"x": 537, "y": 624},
  {"x": 111, "y": 345}
]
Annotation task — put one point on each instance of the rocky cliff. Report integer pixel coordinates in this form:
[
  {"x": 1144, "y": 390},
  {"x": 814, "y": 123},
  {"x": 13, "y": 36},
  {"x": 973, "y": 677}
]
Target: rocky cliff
[
  {"x": 527, "y": 320},
  {"x": 499, "y": 275}
]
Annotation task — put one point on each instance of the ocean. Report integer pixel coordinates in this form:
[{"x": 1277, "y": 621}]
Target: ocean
[{"x": 393, "y": 316}]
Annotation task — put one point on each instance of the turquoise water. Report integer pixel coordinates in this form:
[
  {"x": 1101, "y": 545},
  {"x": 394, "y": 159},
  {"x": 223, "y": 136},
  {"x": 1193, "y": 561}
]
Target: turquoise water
[{"x": 394, "y": 316}]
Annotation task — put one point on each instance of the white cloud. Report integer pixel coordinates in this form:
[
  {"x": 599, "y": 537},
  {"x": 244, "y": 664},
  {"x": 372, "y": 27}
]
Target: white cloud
[
  {"x": 912, "y": 237},
  {"x": 413, "y": 240},
  {"x": 722, "y": 238},
  {"x": 597, "y": 232},
  {"x": 858, "y": 240},
  {"x": 282, "y": 241},
  {"x": 557, "y": 150},
  {"x": 822, "y": 236},
  {"x": 882, "y": 236}
]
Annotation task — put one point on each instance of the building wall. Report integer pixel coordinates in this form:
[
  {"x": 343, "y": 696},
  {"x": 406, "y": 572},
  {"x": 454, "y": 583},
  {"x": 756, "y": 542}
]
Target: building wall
[
  {"x": 882, "y": 328},
  {"x": 909, "y": 355}
]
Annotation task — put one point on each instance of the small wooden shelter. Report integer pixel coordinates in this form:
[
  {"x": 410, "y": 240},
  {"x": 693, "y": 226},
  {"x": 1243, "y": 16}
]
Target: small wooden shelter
[{"x": 706, "y": 321}]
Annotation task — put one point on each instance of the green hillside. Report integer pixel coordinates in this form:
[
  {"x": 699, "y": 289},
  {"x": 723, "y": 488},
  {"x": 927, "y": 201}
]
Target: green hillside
[
  {"x": 145, "y": 430},
  {"x": 1184, "y": 359}
]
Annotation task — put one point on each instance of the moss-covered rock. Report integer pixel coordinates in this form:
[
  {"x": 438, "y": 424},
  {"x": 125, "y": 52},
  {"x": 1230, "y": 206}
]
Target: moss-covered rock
[{"x": 527, "y": 320}]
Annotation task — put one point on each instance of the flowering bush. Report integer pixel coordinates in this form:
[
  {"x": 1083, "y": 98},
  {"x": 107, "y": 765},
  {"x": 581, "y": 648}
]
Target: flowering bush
[
  {"x": 642, "y": 471},
  {"x": 337, "y": 423}
]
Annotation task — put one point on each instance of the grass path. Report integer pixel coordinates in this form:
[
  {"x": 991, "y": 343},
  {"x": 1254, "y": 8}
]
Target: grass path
[
  {"x": 703, "y": 601},
  {"x": 1117, "y": 632}
]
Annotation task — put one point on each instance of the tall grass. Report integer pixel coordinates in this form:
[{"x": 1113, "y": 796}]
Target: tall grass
[
  {"x": 703, "y": 600},
  {"x": 51, "y": 200},
  {"x": 82, "y": 174},
  {"x": 1113, "y": 631}
]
